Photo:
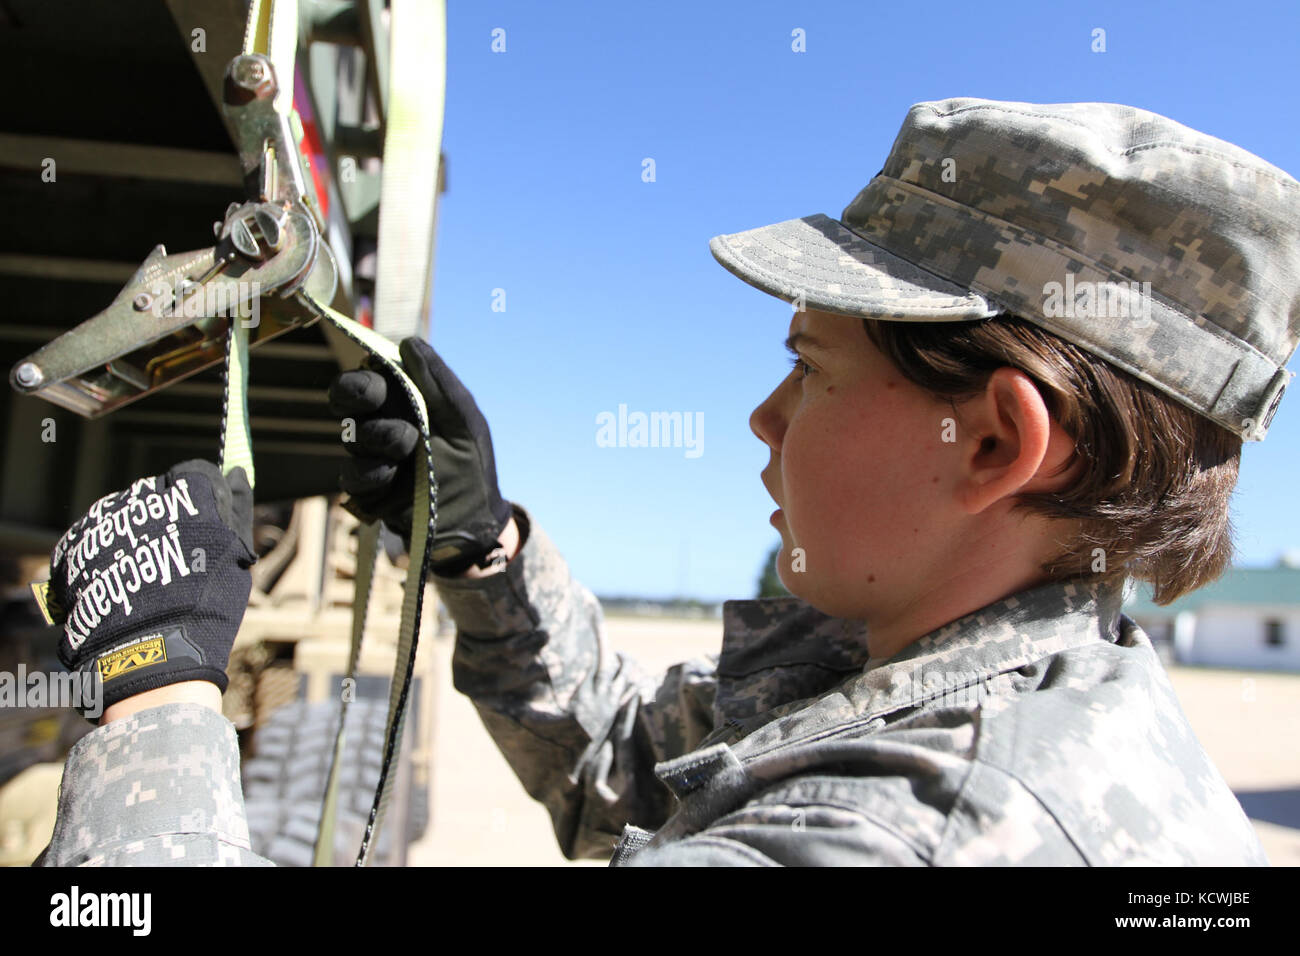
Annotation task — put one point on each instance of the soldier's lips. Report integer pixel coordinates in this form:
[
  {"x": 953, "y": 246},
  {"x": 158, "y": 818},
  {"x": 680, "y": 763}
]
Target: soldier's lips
[{"x": 775, "y": 514}]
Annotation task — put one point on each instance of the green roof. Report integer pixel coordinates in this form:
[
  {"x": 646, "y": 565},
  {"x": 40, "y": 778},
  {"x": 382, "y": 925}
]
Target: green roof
[{"x": 1238, "y": 586}]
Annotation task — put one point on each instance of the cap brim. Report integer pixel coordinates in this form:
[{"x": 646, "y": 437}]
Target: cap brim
[{"x": 836, "y": 270}]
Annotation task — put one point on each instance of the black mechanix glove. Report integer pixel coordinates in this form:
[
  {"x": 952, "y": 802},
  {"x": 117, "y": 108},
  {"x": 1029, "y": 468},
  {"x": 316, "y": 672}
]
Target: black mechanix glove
[
  {"x": 152, "y": 583},
  {"x": 380, "y": 475}
]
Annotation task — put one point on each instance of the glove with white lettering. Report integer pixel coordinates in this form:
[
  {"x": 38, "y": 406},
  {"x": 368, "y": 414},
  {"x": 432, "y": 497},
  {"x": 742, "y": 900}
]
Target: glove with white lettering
[
  {"x": 379, "y": 476},
  {"x": 151, "y": 584}
]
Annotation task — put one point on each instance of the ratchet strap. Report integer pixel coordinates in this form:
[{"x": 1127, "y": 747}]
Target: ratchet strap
[{"x": 272, "y": 30}]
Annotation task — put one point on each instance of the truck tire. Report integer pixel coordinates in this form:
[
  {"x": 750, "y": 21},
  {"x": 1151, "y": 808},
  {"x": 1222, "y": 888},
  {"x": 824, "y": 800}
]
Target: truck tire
[{"x": 284, "y": 785}]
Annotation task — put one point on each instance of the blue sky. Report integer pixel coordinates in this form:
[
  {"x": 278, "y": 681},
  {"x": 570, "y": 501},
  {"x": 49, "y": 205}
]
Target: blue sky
[{"x": 611, "y": 294}]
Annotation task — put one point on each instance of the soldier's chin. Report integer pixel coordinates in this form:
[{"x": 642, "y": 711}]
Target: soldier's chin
[
  {"x": 791, "y": 579},
  {"x": 820, "y": 596},
  {"x": 804, "y": 584}
]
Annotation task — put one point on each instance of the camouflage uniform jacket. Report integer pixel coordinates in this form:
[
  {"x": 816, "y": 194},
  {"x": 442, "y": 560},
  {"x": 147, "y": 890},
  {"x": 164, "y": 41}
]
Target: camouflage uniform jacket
[{"x": 1041, "y": 729}]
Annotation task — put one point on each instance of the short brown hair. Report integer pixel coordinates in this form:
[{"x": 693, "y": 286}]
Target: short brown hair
[{"x": 1158, "y": 476}]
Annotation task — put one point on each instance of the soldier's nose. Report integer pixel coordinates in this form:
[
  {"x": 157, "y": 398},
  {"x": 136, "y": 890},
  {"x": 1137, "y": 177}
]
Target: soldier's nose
[{"x": 768, "y": 423}]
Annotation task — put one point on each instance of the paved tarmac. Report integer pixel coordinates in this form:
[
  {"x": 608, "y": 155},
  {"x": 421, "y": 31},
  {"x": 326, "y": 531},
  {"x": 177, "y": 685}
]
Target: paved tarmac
[{"x": 1248, "y": 722}]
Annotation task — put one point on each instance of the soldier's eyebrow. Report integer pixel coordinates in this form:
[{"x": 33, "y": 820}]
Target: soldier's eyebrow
[{"x": 792, "y": 342}]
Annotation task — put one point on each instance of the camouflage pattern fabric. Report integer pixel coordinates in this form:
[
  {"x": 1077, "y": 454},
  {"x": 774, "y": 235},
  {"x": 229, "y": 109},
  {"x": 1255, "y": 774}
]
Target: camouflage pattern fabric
[
  {"x": 1171, "y": 254},
  {"x": 159, "y": 788},
  {"x": 1039, "y": 730}
]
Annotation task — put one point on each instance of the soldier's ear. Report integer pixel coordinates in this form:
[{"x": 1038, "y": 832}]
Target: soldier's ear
[{"x": 1003, "y": 439}]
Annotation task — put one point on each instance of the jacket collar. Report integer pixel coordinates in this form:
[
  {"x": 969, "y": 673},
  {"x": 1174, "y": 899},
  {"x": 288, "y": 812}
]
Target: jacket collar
[{"x": 778, "y": 652}]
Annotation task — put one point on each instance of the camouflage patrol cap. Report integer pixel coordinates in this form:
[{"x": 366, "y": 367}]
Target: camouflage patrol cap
[{"x": 1172, "y": 254}]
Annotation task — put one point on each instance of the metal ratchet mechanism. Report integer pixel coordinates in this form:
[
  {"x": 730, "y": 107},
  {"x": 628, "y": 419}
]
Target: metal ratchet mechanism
[{"x": 171, "y": 319}]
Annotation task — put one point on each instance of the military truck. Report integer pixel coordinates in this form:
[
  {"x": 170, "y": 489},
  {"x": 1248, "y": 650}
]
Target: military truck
[{"x": 114, "y": 141}]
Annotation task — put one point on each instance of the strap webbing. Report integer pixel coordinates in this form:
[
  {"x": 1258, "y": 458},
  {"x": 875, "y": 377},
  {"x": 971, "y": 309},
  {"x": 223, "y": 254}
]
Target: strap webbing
[
  {"x": 423, "y": 520},
  {"x": 272, "y": 30},
  {"x": 424, "y": 516},
  {"x": 408, "y": 195},
  {"x": 367, "y": 551},
  {"x": 236, "y": 437}
]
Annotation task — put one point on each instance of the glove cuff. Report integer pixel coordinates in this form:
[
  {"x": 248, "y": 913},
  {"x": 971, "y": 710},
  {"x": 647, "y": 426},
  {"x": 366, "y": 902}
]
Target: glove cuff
[
  {"x": 147, "y": 661},
  {"x": 455, "y": 567},
  {"x": 471, "y": 545}
]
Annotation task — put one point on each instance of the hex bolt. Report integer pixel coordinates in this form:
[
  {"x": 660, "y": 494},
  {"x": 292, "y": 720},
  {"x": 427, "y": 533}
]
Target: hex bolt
[
  {"x": 28, "y": 375},
  {"x": 249, "y": 72},
  {"x": 252, "y": 74}
]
